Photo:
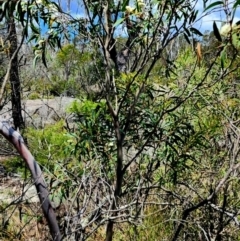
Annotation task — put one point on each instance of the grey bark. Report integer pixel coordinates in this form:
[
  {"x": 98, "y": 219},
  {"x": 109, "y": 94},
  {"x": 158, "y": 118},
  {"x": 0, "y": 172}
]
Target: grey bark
[{"x": 14, "y": 77}]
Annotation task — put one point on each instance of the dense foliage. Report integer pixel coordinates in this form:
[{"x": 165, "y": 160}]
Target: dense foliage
[{"x": 152, "y": 149}]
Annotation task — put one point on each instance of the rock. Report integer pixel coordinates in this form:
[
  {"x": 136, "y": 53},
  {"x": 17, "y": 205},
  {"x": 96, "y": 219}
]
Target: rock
[
  {"x": 30, "y": 194},
  {"x": 40, "y": 112}
]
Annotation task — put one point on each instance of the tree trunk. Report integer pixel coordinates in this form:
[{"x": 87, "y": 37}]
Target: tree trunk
[
  {"x": 14, "y": 77},
  {"x": 118, "y": 182}
]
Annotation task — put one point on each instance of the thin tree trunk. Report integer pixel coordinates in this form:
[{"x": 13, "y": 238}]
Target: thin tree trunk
[
  {"x": 118, "y": 182},
  {"x": 14, "y": 77}
]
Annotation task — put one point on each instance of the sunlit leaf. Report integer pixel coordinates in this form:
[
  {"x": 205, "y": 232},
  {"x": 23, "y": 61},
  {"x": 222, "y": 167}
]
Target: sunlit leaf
[
  {"x": 5, "y": 5},
  {"x": 35, "y": 60},
  {"x": 236, "y": 40},
  {"x": 119, "y": 21},
  {"x": 4, "y": 8}
]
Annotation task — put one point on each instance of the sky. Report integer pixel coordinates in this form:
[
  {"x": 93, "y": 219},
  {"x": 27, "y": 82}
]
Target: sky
[
  {"x": 205, "y": 20},
  {"x": 218, "y": 15}
]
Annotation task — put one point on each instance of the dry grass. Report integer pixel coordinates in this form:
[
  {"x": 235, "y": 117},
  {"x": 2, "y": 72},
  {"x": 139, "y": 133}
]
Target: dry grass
[{"x": 23, "y": 222}]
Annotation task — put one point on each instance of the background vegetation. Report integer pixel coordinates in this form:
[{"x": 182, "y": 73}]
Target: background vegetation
[{"x": 152, "y": 150}]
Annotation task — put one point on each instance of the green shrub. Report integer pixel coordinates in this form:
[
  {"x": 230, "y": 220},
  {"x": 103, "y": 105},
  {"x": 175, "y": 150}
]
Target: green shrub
[
  {"x": 34, "y": 96},
  {"x": 48, "y": 145}
]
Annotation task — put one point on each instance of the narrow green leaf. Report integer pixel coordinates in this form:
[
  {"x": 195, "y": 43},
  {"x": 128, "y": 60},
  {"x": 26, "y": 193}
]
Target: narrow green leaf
[
  {"x": 187, "y": 39},
  {"x": 5, "y": 5},
  {"x": 18, "y": 8},
  {"x": 34, "y": 29},
  {"x": 57, "y": 6},
  {"x": 34, "y": 36},
  {"x": 223, "y": 58},
  {"x": 196, "y": 31},
  {"x": 191, "y": 18},
  {"x": 12, "y": 6},
  {"x": 119, "y": 21},
  {"x": 125, "y": 3},
  {"x": 212, "y": 5},
  {"x": 21, "y": 14},
  {"x": 187, "y": 32},
  {"x": 44, "y": 56},
  {"x": 216, "y": 32},
  {"x": 36, "y": 17},
  {"x": 233, "y": 13},
  {"x": 236, "y": 4},
  {"x": 35, "y": 60},
  {"x": 4, "y": 8},
  {"x": 195, "y": 16}
]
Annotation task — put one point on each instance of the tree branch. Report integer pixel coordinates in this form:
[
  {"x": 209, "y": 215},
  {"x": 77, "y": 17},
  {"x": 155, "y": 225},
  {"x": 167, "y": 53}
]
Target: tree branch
[{"x": 17, "y": 141}]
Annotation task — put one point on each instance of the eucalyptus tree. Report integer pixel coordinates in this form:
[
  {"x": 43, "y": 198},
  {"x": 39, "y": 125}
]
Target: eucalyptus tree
[{"x": 126, "y": 124}]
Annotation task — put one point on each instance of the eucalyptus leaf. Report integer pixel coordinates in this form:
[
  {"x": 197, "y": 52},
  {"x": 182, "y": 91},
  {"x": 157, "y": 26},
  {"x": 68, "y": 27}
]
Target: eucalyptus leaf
[
  {"x": 236, "y": 4},
  {"x": 196, "y": 31},
  {"x": 118, "y": 22},
  {"x": 186, "y": 37},
  {"x": 223, "y": 58},
  {"x": 216, "y": 32},
  {"x": 35, "y": 60},
  {"x": 213, "y": 5}
]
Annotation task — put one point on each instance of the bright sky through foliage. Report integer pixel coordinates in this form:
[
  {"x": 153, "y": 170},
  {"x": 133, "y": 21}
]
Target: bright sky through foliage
[
  {"x": 217, "y": 14},
  {"x": 205, "y": 22}
]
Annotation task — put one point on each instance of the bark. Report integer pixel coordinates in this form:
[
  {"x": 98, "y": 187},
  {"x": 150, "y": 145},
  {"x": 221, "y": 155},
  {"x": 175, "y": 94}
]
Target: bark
[
  {"x": 118, "y": 183},
  {"x": 14, "y": 77}
]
